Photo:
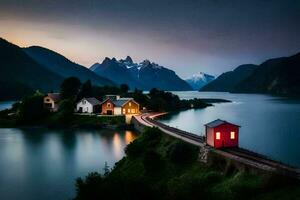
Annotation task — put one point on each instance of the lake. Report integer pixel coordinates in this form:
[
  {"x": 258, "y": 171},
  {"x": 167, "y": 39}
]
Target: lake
[
  {"x": 6, "y": 104},
  {"x": 43, "y": 164},
  {"x": 269, "y": 125}
]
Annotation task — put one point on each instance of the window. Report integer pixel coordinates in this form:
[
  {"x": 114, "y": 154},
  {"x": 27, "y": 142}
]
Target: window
[
  {"x": 108, "y": 105},
  {"x": 129, "y": 104},
  {"x": 128, "y": 110},
  {"x": 124, "y": 110},
  {"x": 47, "y": 100},
  {"x": 232, "y": 135},
  {"x": 218, "y": 135},
  {"x": 132, "y": 110},
  {"x": 83, "y": 102}
]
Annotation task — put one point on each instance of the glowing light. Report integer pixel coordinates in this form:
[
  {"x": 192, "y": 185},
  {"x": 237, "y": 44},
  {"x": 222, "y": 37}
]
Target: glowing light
[
  {"x": 218, "y": 135},
  {"x": 232, "y": 135}
]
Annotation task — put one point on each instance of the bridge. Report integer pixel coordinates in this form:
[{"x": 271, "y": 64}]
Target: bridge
[{"x": 238, "y": 155}]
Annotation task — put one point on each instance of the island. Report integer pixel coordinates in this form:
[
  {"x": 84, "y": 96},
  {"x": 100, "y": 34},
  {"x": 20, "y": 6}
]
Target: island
[{"x": 83, "y": 105}]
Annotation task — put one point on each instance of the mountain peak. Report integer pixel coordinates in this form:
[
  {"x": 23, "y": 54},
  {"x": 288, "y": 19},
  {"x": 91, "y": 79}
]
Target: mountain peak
[
  {"x": 145, "y": 75},
  {"x": 129, "y": 59},
  {"x": 198, "y": 80}
]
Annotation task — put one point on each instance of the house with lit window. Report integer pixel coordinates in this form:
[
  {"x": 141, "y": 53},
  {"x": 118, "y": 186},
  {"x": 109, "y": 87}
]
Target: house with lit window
[
  {"x": 88, "y": 105},
  {"x": 51, "y": 101},
  {"x": 220, "y": 134},
  {"x": 114, "y": 105}
]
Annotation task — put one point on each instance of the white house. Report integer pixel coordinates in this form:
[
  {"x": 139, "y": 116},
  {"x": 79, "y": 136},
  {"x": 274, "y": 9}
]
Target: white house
[{"x": 89, "y": 105}]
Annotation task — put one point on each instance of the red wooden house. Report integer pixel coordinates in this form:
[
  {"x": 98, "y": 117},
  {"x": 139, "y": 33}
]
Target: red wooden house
[{"x": 220, "y": 133}]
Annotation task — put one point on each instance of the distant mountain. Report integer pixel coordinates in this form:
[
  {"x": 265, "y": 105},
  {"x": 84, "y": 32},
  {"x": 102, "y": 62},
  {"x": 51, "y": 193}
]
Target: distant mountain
[
  {"x": 145, "y": 75},
  {"x": 64, "y": 67},
  {"x": 20, "y": 74},
  {"x": 279, "y": 76},
  {"x": 197, "y": 81},
  {"x": 227, "y": 81}
]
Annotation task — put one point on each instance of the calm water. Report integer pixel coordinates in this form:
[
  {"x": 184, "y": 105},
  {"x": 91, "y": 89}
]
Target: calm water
[
  {"x": 270, "y": 125},
  {"x": 43, "y": 164}
]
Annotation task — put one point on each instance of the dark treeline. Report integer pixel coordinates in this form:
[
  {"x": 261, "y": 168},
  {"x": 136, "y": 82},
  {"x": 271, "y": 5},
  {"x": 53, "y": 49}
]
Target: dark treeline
[{"x": 31, "y": 111}]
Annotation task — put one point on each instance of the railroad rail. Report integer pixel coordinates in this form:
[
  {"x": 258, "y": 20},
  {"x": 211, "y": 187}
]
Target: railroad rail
[
  {"x": 186, "y": 134},
  {"x": 242, "y": 155}
]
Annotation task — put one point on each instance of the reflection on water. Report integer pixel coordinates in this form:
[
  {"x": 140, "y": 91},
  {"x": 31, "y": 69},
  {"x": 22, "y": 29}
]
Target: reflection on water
[
  {"x": 269, "y": 125},
  {"x": 129, "y": 137},
  {"x": 43, "y": 164},
  {"x": 117, "y": 146}
]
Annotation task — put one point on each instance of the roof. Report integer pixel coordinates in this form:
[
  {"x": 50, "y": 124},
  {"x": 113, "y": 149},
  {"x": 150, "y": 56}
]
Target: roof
[
  {"x": 54, "y": 96},
  {"x": 218, "y": 122},
  {"x": 93, "y": 101},
  {"x": 121, "y": 101}
]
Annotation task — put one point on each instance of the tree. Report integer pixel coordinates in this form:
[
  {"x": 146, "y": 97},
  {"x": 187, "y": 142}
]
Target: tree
[
  {"x": 66, "y": 110},
  {"x": 31, "y": 109},
  {"x": 86, "y": 90},
  {"x": 182, "y": 153},
  {"x": 70, "y": 88},
  {"x": 152, "y": 161},
  {"x": 124, "y": 88}
]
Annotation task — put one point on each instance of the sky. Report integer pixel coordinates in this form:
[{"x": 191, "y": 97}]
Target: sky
[{"x": 188, "y": 36}]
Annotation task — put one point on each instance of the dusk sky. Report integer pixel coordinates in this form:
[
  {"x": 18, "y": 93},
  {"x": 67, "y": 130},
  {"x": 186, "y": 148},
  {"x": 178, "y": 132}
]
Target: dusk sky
[{"x": 212, "y": 36}]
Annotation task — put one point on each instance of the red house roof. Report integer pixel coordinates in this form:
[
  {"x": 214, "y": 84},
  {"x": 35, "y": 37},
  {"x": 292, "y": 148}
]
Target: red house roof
[{"x": 218, "y": 122}]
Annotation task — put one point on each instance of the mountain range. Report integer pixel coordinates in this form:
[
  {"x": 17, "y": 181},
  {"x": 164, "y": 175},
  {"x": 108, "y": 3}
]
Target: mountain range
[
  {"x": 144, "y": 75},
  {"x": 63, "y": 66},
  {"x": 227, "y": 81},
  {"x": 198, "y": 80},
  {"x": 279, "y": 76},
  {"x": 23, "y": 71},
  {"x": 20, "y": 74}
]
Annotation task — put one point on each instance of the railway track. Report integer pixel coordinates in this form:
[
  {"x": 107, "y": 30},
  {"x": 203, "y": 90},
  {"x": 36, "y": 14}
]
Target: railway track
[
  {"x": 249, "y": 156},
  {"x": 177, "y": 131},
  {"x": 280, "y": 167}
]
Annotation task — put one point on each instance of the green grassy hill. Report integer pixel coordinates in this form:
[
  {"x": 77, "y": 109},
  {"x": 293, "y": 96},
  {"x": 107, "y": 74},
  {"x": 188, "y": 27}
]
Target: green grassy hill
[{"x": 158, "y": 166}]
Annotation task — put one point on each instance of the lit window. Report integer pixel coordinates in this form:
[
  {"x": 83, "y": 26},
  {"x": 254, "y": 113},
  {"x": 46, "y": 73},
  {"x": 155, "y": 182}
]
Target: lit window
[
  {"x": 232, "y": 135},
  {"x": 132, "y": 110},
  {"x": 218, "y": 135},
  {"x": 128, "y": 110},
  {"x": 124, "y": 110},
  {"x": 129, "y": 104}
]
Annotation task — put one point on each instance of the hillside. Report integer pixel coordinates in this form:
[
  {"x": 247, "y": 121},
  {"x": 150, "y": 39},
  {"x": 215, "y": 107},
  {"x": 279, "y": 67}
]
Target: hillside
[
  {"x": 158, "y": 166},
  {"x": 145, "y": 75},
  {"x": 279, "y": 76},
  {"x": 64, "y": 67},
  {"x": 227, "y": 81},
  {"x": 20, "y": 74}
]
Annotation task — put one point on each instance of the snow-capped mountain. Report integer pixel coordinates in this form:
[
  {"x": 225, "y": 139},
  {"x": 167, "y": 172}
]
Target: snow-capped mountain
[
  {"x": 144, "y": 75},
  {"x": 198, "y": 80}
]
